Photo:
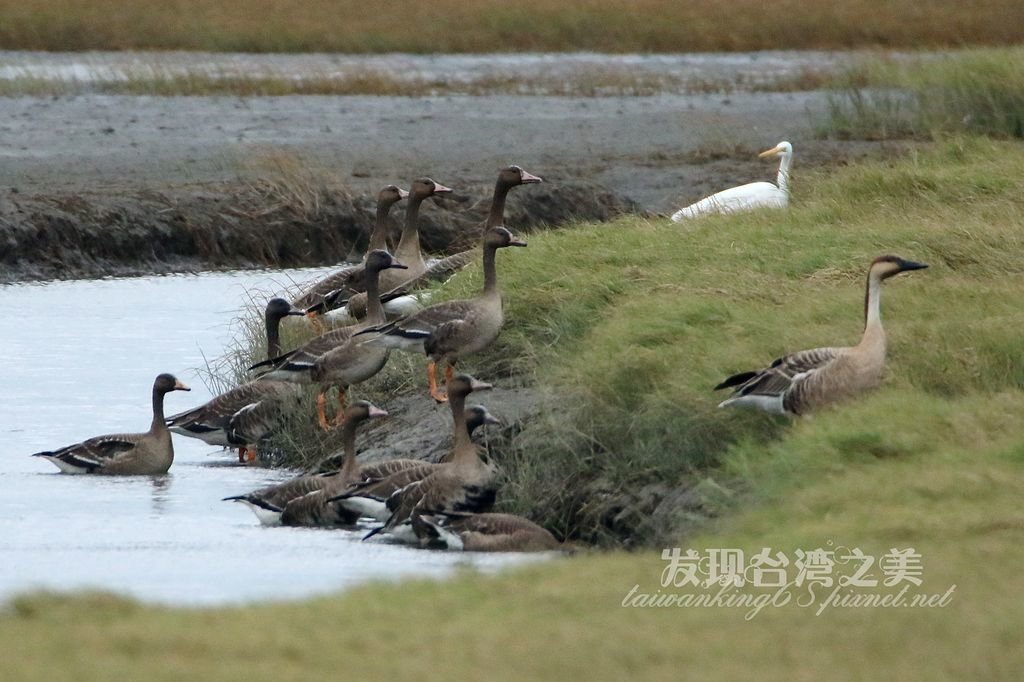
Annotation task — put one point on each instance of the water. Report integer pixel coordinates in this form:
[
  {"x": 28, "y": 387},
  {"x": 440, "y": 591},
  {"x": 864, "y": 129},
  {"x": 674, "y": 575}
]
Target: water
[{"x": 79, "y": 359}]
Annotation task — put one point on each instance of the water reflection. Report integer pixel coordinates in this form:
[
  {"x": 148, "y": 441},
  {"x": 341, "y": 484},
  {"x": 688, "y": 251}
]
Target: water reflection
[{"x": 170, "y": 538}]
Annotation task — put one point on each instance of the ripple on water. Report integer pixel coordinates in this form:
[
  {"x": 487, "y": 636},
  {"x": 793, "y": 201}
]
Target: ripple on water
[{"x": 79, "y": 361}]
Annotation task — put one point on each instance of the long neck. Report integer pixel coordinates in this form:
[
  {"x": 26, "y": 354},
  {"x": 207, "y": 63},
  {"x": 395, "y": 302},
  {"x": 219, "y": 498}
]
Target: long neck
[
  {"x": 374, "y": 309},
  {"x": 379, "y": 236},
  {"x": 873, "y": 306},
  {"x": 158, "y": 410},
  {"x": 463, "y": 447},
  {"x": 348, "y": 443},
  {"x": 273, "y": 336},
  {"x": 490, "y": 270},
  {"x": 497, "y": 215},
  {"x": 783, "y": 179},
  {"x": 408, "y": 250}
]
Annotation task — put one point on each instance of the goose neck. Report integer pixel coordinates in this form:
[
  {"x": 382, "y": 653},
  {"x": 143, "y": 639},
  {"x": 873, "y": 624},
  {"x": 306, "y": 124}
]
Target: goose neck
[
  {"x": 158, "y": 410},
  {"x": 408, "y": 249},
  {"x": 379, "y": 236}
]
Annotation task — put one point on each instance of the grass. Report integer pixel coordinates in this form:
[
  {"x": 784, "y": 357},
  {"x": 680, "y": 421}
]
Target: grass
[
  {"x": 587, "y": 81},
  {"x": 528, "y": 25},
  {"x": 969, "y": 92},
  {"x": 637, "y": 322}
]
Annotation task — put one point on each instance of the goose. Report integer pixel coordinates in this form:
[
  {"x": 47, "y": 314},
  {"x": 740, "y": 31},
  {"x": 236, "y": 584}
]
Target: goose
[
  {"x": 244, "y": 415},
  {"x": 807, "y": 380},
  {"x": 335, "y": 358},
  {"x": 379, "y": 482},
  {"x": 401, "y": 301},
  {"x": 322, "y": 294},
  {"x": 446, "y": 331},
  {"x": 466, "y": 483},
  {"x": 488, "y": 532},
  {"x": 150, "y": 453},
  {"x": 476, "y": 417},
  {"x": 747, "y": 197},
  {"x": 408, "y": 251},
  {"x": 302, "y": 501}
]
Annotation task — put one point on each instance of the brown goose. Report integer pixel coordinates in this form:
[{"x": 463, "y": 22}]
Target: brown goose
[
  {"x": 370, "y": 497},
  {"x": 335, "y": 358},
  {"x": 302, "y": 501},
  {"x": 408, "y": 250},
  {"x": 244, "y": 415},
  {"x": 476, "y": 416},
  {"x": 148, "y": 453},
  {"x": 446, "y": 331},
  {"x": 399, "y": 301},
  {"x": 466, "y": 483},
  {"x": 323, "y": 294},
  {"x": 482, "y": 533},
  {"x": 810, "y": 379}
]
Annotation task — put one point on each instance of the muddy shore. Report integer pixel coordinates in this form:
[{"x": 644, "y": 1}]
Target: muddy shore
[{"x": 97, "y": 185}]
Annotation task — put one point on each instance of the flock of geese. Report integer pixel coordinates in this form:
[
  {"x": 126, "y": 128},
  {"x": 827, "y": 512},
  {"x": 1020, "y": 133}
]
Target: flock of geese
[{"x": 445, "y": 504}]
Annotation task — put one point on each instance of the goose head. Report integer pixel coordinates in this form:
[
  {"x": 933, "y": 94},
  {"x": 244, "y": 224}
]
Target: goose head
[
  {"x": 782, "y": 149},
  {"x": 425, "y": 187},
  {"x": 477, "y": 416},
  {"x": 462, "y": 385},
  {"x": 165, "y": 383},
  {"x": 499, "y": 238},
  {"x": 885, "y": 267},
  {"x": 278, "y": 309},
  {"x": 390, "y": 195},
  {"x": 511, "y": 176},
  {"x": 379, "y": 259},
  {"x": 361, "y": 410}
]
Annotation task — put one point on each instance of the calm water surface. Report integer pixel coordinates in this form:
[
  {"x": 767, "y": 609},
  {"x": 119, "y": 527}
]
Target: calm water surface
[{"x": 78, "y": 360}]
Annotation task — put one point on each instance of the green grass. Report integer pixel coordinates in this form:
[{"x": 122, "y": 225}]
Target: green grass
[
  {"x": 629, "y": 324},
  {"x": 527, "y": 25},
  {"x": 973, "y": 91}
]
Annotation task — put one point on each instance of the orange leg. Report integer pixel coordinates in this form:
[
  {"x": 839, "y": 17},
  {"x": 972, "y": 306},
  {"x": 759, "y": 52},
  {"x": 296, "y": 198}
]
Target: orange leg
[
  {"x": 339, "y": 417},
  {"x": 449, "y": 372},
  {"x": 241, "y": 455},
  {"x": 318, "y": 324},
  {"x": 432, "y": 383},
  {"x": 321, "y": 410}
]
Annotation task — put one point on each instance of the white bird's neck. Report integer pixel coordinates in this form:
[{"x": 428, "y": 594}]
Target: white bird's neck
[{"x": 783, "y": 179}]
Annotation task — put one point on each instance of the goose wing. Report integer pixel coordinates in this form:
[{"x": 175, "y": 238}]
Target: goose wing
[
  {"x": 95, "y": 453},
  {"x": 333, "y": 288},
  {"x": 783, "y": 373},
  {"x": 306, "y": 354}
]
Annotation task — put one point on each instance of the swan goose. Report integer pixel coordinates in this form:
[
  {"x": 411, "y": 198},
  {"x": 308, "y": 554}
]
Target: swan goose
[{"x": 810, "y": 379}]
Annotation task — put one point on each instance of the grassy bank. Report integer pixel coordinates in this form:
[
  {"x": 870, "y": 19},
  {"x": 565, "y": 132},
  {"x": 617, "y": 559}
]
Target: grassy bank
[
  {"x": 623, "y": 328},
  {"x": 968, "y": 92},
  {"x": 459, "y": 26},
  {"x": 630, "y": 330}
]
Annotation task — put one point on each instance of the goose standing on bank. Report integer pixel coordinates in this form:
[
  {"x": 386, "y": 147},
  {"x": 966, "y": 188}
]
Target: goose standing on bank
[
  {"x": 750, "y": 196},
  {"x": 246, "y": 414},
  {"x": 150, "y": 453},
  {"x": 408, "y": 251},
  {"x": 807, "y": 380},
  {"x": 302, "y": 501},
  {"x": 482, "y": 533},
  {"x": 467, "y": 483},
  {"x": 446, "y": 331},
  {"x": 335, "y": 358},
  {"x": 324, "y": 293}
]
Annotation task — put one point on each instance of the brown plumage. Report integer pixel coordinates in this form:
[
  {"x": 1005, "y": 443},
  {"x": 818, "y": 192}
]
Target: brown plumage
[
  {"x": 482, "y": 533},
  {"x": 244, "y": 415},
  {"x": 148, "y": 453},
  {"x": 465, "y": 483},
  {"x": 811, "y": 379},
  {"x": 324, "y": 294},
  {"x": 446, "y": 331},
  {"x": 303, "y": 501}
]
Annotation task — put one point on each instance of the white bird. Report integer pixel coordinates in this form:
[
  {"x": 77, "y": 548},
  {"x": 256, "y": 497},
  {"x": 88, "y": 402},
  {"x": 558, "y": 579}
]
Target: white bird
[{"x": 750, "y": 196}]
